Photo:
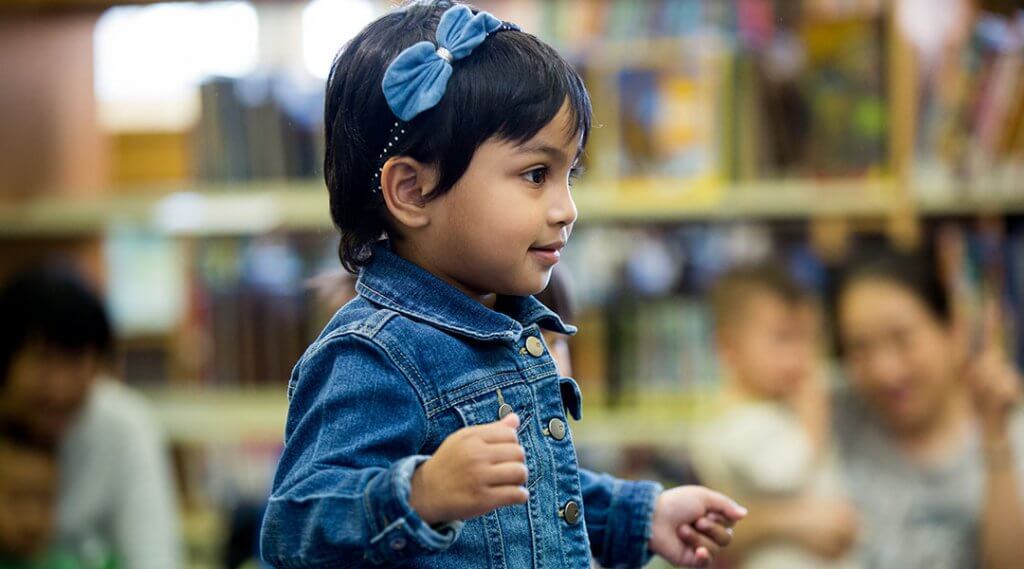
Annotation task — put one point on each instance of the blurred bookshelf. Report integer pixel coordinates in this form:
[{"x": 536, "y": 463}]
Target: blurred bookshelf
[
  {"x": 227, "y": 209},
  {"x": 714, "y": 122},
  {"x": 225, "y": 416},
  {"x": 724, "y": 131},
  {"x": 717, "y": 125}
]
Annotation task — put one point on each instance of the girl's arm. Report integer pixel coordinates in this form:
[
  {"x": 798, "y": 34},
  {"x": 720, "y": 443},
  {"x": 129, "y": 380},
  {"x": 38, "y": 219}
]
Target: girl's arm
[
  {"x": 618, "y": 515},
  {"x": 341, "y": 492}
]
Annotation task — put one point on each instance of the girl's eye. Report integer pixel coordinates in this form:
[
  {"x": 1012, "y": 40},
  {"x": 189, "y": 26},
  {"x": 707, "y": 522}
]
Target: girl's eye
[{"x": 536, "y": 176}]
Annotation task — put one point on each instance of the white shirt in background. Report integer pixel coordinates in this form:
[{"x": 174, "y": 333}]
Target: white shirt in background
[{"x": 117, "y": 495}]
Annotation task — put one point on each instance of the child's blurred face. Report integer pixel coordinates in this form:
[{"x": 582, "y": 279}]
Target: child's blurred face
[
  {"x": 28, "y": 483},
  {"x": 45, "y": 389},
  {"x": 502, "y": 226},
  {"x": 769, "y": 348}
]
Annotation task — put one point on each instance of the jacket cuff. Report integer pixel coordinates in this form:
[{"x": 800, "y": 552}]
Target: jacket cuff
[
  {"x": 630, "y": 517},
  {"x": 401, "y": 534}
]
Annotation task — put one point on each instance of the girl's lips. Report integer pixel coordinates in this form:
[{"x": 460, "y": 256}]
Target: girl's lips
[{"x": 546, "y": 256}]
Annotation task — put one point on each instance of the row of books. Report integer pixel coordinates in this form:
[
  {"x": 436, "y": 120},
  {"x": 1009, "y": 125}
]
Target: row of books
[
  {"x": 971, "y": 118},
  {"x": 258, "y": 128},
  {"x": 739, "y": 90},
  {"x": 983, "y": 266},
  {"x": 684, "y": 89},
  {"x": 574, "y": 24},
  {"x": 247, "y": 309}
]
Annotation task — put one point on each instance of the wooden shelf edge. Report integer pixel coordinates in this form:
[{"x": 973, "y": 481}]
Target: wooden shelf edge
[{"x": 264, "y": 207}]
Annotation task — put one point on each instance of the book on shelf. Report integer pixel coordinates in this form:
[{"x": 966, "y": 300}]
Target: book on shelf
[
  {"x": 982, "y": 265},
  {"x": 234, "y": 312},
  {"x": 970, "y": 135},
  {"x": 261, "y": 127}
]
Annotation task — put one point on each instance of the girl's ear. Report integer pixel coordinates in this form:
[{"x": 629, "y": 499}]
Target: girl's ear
[{"x": 405, "y": 185}]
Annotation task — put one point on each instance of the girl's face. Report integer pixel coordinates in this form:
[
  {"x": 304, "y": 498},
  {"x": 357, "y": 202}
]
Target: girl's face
[
  {"x": 501, "y": 228},
  {"x": 900, "y": 357}
]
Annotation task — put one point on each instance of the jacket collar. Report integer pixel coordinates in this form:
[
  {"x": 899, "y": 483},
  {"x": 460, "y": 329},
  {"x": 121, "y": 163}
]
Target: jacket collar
[{"x": 397, "y": 284}]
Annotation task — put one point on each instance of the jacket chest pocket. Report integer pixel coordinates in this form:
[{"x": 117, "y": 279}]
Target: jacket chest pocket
[
  {"x": 510, "y": 531},
  {"x": 494, "y": 404}
]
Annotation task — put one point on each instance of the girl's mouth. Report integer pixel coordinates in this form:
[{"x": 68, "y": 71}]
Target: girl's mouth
[{"x": 548, "y": 254}]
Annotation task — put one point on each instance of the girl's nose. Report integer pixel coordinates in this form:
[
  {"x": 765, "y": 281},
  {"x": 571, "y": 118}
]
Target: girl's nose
[{"x": 563, "y": 211}]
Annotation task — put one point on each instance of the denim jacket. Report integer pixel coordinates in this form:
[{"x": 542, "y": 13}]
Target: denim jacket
[{"x": 395, "y": 372}]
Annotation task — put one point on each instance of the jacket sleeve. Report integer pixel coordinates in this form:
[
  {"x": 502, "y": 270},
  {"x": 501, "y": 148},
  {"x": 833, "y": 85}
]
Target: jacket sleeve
[
  {"x": 618, "y": 514},
  {"x": 341, "y": 491}
]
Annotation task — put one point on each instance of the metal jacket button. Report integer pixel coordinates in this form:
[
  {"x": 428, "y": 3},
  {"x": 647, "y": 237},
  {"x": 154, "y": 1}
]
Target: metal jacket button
[
  {"x": 570, "y": 513},
  {"x": 556, "y": 428},
  {"x": 535, "y": 346}
]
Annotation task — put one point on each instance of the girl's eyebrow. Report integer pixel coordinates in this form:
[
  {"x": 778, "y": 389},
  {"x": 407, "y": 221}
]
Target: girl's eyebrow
[
  {"x": 541, "y": 148},
  {"x": 553, "y": 152}
]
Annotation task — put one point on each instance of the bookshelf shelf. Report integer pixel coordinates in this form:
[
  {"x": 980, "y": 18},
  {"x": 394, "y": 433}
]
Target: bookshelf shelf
[
  {"x": 222, "y": 416},
  {"x": 201, "y": 415},
  {"x": 259, "y": 208},
  {"x": 185, "y": 210},
  {"x": 1001, "y": 203}
]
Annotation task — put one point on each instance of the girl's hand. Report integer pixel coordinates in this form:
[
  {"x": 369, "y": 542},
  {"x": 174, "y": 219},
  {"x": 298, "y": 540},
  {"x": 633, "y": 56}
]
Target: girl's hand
[
  {"x": 691, "y": 524},
  {"x": 475, "y": 470}
]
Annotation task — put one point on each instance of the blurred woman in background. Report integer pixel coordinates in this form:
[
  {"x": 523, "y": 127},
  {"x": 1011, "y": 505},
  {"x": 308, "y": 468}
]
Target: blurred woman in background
[{"x": 929, "y": 428}]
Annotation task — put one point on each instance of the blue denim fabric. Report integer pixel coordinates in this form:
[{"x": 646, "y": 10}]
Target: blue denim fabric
[{"x": 395, "y": 372}]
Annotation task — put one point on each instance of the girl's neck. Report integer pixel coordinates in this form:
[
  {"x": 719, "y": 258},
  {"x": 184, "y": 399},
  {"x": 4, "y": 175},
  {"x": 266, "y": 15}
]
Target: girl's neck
[{"x": 407, "y": 250}]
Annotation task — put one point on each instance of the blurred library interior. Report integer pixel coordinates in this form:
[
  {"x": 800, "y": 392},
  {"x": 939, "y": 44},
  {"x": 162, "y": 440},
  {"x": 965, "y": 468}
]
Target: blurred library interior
[{"x": 171, "y": 153}]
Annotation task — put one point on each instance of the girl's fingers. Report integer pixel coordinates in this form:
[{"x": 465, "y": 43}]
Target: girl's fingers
[
  {"x": 699, "y": 558},
  {"x": 697, "y": 540},
  {"x": 717, "y": 502},
  {"x": 718, "y": 533},
  {"x": 500, "y": 496},
  {"x": 506, "y": 452},
  {"x": 499, "y": 431},
  {"x": 721, "y": 520},
  {"x": 507, "y": 474}
]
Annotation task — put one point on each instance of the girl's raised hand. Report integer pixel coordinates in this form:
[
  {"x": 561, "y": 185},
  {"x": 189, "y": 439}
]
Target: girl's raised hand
[
  {"x": 475, "y": 470},
  {"x": 691, "y": 524}
]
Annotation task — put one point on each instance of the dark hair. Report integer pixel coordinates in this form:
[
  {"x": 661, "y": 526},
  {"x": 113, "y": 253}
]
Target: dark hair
[
  {"x": 53, "y": 307},
  {"x": 510, "y": 87},
  {"x": 557, "y": 296},
  {"x": 917, "y": 273},
  {"x": 733, "y": 289}
]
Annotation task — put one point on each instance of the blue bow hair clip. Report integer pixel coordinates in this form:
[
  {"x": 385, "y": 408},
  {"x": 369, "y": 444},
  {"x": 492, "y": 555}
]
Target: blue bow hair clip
[{"x": 416, "y": 80}]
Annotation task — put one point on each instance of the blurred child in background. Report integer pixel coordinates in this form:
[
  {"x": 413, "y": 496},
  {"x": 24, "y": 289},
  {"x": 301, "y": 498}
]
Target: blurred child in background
[
  {"x": 28, "y": 495},
  {"x": 772, "y": 440},
  {"x": 116, "y": 498}
]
